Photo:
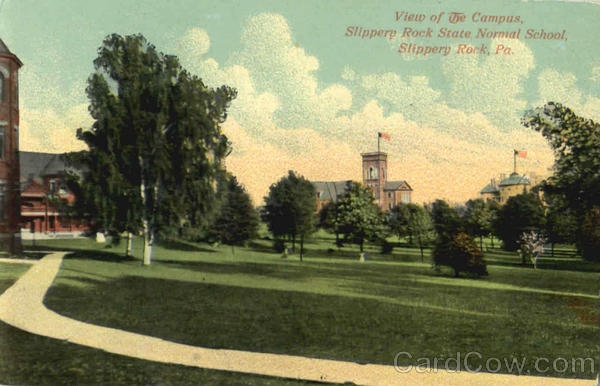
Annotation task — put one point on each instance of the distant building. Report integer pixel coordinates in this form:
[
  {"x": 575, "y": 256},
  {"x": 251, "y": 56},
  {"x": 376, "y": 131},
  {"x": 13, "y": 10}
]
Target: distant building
[
  {"x": 10, "y": 237},
  {"x": 374, "y": 166},
  {"x": 42, "y": 184},
  {"x": 509, "y": 186}
]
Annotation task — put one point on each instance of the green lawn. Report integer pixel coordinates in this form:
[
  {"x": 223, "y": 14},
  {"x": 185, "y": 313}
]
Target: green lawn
[
  {"x": 331, "y": 305},
  {"x": 33, "y": 360}
]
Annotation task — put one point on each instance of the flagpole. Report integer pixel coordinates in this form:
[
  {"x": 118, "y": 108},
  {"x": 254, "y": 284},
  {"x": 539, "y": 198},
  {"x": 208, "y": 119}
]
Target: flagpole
[
  {"x": 515, "y": 161},
  {"x": 378, "y": 140}
]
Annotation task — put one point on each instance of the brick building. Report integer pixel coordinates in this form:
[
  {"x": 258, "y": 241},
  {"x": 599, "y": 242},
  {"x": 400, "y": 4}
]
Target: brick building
[
  {"x": 374, "y": 169},
  {"x": 10, "y": 237},
  {"x": 42, "y": 185}
]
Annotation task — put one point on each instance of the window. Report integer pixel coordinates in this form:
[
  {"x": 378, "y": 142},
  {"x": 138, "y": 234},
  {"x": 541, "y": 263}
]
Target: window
[
  {"x": 52, "y": 184},
  {"x": 372, "y": 173},
  {"x": 2, "y": 129},
  {"x": 405, "y": 197}
]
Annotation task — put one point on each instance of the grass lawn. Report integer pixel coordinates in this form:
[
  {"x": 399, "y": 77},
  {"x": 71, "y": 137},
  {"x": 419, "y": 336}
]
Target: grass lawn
[
  {"x": 332, "y": 306},
  {"x": 31, "y": 359}
]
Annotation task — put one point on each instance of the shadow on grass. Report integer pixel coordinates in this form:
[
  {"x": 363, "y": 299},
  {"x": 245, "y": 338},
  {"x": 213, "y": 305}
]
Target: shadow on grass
[
  {"x": 181, "y": 245},
  {"x": 99, "y": 255}
]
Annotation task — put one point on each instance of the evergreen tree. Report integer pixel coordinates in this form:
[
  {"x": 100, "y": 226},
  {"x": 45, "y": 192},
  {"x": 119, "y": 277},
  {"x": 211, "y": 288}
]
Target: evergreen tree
[{"x": 238, "y": 221}]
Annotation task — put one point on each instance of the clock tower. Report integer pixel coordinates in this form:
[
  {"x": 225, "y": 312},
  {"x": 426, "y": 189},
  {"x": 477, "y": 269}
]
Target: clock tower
[{"x": 10, "y": 233}]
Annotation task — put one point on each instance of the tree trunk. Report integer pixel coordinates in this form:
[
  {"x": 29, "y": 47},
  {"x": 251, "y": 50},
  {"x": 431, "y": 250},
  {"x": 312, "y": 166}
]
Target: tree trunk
[
  {"x": 148, "y": 233},
  {"x": 148, "y": 242},
  {"x": 410, "y": 239},
  {"x": 361, "y": 244},
  {"x": 294, "y": 242},
  {"x": 456, "y": 272},
  {"x": 129, "y": 245},
  {"x": 301, "y": 246},
  {"x": 337, "y": 239},
  {"x": 421, "y": 248},
  {"x": 492, "y": 240},
  {"x": 481, "y": 243},
  {"x": 552, "y": 249}
]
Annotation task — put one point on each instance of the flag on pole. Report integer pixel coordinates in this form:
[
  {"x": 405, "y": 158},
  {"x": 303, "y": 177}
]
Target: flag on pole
[
  {"x": 520, "y": 153},
  {"x": 384, "y": 136}
]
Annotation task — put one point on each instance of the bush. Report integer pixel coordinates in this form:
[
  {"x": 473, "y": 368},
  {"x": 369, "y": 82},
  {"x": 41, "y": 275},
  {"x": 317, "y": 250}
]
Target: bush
[
  {"x": 590, "y": 235},
  {"x": 459, "y": 252}
]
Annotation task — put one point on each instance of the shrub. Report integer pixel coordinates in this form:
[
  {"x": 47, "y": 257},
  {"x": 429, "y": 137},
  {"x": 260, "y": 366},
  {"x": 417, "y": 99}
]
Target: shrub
[{"x": 460, "y": 252}]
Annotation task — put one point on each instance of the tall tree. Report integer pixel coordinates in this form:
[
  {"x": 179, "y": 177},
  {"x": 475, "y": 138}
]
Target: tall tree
[
  {"x": 238, "y": 220},
  {"x": 521, "y": 213},
  {"x": 290, "y": 208},
  {"x": 576, "y": 144},
  {"x": 358, "y": 216},
  {"x": 156, "y": 139}
]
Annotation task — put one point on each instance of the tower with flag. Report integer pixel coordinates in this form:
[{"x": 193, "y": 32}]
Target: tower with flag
[{"x": 375, "y": 173}]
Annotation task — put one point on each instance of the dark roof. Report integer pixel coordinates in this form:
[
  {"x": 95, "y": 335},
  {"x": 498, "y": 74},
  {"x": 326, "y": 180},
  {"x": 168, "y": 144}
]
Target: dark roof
[
  {"x": 330, "y": 190},
  {"x": 490, "y": 188},
  {"x": 397, "y": 185},
  {"x": 514, "y": 179},
  {"x": 36, "y": 165}
]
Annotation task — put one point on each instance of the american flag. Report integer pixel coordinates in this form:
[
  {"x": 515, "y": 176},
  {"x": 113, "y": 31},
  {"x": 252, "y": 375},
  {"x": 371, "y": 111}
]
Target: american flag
[
  {"x": 384, "y": 136},
  {"x": 521, "y": 153}
]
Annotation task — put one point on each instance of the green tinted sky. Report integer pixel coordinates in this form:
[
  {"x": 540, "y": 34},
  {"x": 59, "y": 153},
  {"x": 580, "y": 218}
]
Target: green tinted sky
[{"x": 453, "y": 120}]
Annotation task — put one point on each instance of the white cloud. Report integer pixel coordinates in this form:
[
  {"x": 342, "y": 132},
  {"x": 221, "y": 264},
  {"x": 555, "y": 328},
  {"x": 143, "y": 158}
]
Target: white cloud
[{"x": 492, "y": 85}]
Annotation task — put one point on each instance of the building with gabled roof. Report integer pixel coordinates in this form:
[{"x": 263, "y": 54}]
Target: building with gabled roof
[
  {"x": 42, "y": 184},
  {"x": 387, "y": 193}
]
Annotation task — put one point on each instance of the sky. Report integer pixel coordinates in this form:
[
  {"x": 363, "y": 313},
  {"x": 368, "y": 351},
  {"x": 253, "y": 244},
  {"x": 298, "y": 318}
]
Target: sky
[{"x": 312, "y": 96}]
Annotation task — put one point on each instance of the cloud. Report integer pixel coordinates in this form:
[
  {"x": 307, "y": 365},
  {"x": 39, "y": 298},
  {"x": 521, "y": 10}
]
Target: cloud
[
  {"x": 284, "y": 118},
  {"x": 492, "y": 85},
  {"x": 562, "y": 87},
  {"x": 53, "y": 132}
]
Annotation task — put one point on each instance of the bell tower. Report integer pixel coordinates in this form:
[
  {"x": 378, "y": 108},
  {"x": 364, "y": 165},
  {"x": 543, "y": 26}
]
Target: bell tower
[
  {"x": 10, "y": 209},
  {"x": 375, "y": 174}
]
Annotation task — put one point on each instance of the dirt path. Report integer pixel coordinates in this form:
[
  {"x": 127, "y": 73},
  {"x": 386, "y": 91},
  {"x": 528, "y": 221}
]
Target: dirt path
[{"x": 22, "y": 306}]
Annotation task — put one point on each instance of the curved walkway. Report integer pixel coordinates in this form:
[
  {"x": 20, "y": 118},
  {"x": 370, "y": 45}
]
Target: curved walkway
[{"x": 22, "y": 306}]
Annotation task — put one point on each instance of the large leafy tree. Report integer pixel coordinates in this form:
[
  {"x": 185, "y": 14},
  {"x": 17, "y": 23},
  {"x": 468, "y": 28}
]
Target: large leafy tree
[
  {"x": 576, "y": 144},
  {"x": 290, "y": 208},
  {"x": 358, "y": 217},
  {"x": 155, "y": 147},
  {"x": 238, "y": 220},
  {"x": 521, "y": 213}
]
